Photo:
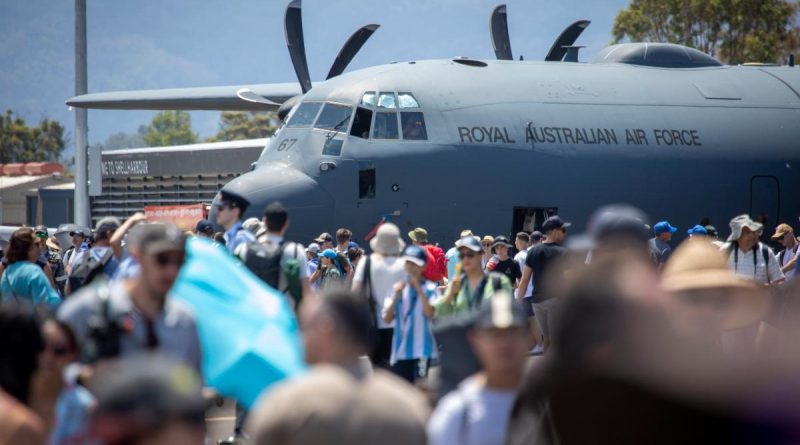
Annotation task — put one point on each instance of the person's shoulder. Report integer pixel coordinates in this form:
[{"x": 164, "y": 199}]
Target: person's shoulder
[
  {"x": 85, "y": 300},
  {"x": 394, "y": 391},
  {"x": 19, "y": 423}
]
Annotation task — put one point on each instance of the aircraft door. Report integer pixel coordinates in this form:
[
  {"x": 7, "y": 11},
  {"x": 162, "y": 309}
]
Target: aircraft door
[
  {"x": 528, "y": 219},
  {"x": 765, "y": 202}
]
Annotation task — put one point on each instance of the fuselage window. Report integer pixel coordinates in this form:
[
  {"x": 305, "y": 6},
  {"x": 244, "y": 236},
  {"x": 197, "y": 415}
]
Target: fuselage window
[
  {"x": 407, "y": 100},
  {"x": 385, "y": 125},
  {"x": 387, "y": 100},
  {"x": 413, "y": 125},
  {"x": 305, "y": 114},
  {"x": 369, "y": 99},
  {"x": 361, "y": 123},
  {"x": 334, "y": 117}
]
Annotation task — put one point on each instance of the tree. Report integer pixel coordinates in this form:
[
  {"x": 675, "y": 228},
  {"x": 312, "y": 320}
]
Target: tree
[
  {"x": 170, "y": 128},
  {"x": 735, "y": 31},
  {"x": 21, "y": 143},
  {"x": 122, "y": 140},
  {"x": 242, "y": 125}
]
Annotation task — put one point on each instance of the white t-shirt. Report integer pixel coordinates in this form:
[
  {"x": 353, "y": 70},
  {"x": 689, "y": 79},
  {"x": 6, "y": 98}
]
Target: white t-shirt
[
  {"x": 520, "y": 259},
  {"x": 291, "y": 250},
  {"x": 744, "y": 266},
  {"x": 385, "y": 272},
  {"x": 472, "y": 415},
  {"x": 787, "y": 256}
]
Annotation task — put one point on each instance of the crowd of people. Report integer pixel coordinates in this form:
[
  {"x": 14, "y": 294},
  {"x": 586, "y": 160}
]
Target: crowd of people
[{"x": 616, "y": 335}]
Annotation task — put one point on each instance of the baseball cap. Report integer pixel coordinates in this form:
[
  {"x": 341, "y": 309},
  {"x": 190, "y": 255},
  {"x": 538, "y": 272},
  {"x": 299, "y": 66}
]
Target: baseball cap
[
  {"x": 697, "y": 230},
  {"x": 554, "y": 222},
  {"x": 41, "y": 231},
  {"x": 329, "y": 253},
  {"x": 204, "y": 226},
  {"x": 324, "y": 237},
  {"x": 711, "y": 230},
  {"x": 82, "y": 231},
  {"x": 419, "y": 235},
  {"x": 470, "y": 243},
  {"x": 154, "y": 238},
  {"x": 106, "y": 224},
  {"x": 782, "y": 230},
  {"x": 143, "y": 392},
  {"x": 536, "y": 236},
  {"x": 502, "y": 312},
  {"x": 353, "y": 245},
  {"x": 663, "y": 227},
  {"x": 416, "y": 255},
  {"x": 501, "y": 241},
  {"x": 611, "y": 225},
  {"x": 488, "y": 239},
  {"x": 466, "y": 232},
  {"x": 313, "y": 248}
]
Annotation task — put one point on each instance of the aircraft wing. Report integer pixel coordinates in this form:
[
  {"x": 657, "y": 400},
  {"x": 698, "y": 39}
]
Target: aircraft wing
[{"x": 223, "y": 98}]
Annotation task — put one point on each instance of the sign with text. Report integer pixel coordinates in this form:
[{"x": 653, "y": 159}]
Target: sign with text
[{"x": 183, "y": 216}]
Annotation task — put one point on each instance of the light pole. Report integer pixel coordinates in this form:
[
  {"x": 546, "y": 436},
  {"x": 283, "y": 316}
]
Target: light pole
[{"x": 81, "y": 201}]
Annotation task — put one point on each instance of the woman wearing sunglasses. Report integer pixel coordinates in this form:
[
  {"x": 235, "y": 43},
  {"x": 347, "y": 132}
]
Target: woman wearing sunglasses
[{"x": 23, "y": 282}]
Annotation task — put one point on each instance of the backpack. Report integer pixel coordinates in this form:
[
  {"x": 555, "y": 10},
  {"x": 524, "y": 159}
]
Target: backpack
[
  {"x": 264, "y": 260},
  {"x": 734, "y": 249},
  {"x": 341, "y": 260},
  {"x": 88, "y": 269},
  {"x": 436, "y": 266}
]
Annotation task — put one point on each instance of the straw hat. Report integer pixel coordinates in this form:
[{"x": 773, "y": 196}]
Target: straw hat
[
  {"x": 699, "y": 265},
  {"x": 387, "y": 240}
]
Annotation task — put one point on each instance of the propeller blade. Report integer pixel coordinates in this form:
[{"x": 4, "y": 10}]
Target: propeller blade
[
  {"x": 293, "y": 27},
  {"x": 350, "y": 49},
  {"x": 498, "y": 26},
  {"x": 287, "y": 106},
  {"x": 246, "y": 94},
  {"x": 566, "y": 39}
]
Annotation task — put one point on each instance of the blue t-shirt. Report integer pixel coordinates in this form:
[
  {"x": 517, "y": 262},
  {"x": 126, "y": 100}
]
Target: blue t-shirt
[
  {"x": 237, "y": 235},
  {"x": 26, "y": 283}
]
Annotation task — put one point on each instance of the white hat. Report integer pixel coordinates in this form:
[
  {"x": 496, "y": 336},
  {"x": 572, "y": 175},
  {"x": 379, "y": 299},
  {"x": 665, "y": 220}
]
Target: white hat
[
  {"x": 738, "y": 223},
  {"x": 387, "y": 241},
  {"x": 313, "y": 248}
]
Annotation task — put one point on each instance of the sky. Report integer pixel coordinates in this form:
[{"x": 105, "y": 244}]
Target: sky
[{"x": 150, "y": 44}]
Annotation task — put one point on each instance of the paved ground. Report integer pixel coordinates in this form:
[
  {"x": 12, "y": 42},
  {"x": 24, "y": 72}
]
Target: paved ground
[{"x": 219, "y": 421}]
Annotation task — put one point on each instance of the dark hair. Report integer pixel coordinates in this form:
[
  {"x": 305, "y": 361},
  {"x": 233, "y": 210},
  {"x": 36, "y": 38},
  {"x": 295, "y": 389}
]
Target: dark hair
[
  {"x": 353, "y": 253},
  {"x": 523, "y": 236},
  {"x": 20, "y": 344},
  {"x": 275, "y": 215},
  {"x": 352, "y": 316},
  {"x": 19, "y": 245},
  {"x": 343, "y": 235},
  {"x": 72, "y": 340},
  {"x": 220, "y": 238}
]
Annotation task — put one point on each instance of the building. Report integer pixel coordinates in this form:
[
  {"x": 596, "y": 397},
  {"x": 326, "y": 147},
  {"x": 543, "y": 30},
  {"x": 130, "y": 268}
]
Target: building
[
  {"x": 168, "y": 176},
  {"x": 19, "y": 191}
]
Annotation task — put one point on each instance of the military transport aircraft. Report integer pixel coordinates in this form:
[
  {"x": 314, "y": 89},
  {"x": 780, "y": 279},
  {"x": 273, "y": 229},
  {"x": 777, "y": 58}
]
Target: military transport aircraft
[{"x": 498, "y": 145}]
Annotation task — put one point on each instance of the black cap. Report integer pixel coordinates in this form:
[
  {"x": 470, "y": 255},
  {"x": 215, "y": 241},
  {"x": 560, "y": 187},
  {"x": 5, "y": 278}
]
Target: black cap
[
  {"x": 41, "y": 231},
  {"x": 536, "y": 236},
  {"x": 501, "y": 240},
  {"x": 323, "y": 238},
  {"x": 234, "y": 200},
  {"x": 501, "y": 312},
  {"x": 711, "y": 230},
  {"x": 143, "y": 392},
  {"x": 554, "y": 222},
  {"x": 613, "y": 223},
  {"x": 204, "y": 226}
]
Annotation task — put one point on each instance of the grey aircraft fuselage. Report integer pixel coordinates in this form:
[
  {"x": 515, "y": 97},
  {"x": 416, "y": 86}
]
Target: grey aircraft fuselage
[{"x": 681, "y": 144}]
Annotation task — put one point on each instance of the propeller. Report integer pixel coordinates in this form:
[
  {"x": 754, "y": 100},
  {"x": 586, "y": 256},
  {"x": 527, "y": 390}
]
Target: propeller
[
  {"x": 498, "y": 26},
  {"x": 293, "y": 28},
  {"x": 565, "y": 40}
]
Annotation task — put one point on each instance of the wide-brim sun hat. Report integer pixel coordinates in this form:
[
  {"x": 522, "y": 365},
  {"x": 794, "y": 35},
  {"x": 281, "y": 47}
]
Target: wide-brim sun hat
[
  {"x": 740, "y": 222},
  {"x": 387, "y": 240},
  {"x": 698, "y": 265}
]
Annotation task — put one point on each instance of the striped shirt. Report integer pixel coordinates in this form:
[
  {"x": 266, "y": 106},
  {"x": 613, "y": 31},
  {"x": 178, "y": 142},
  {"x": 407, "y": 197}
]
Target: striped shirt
[
  {"x": 744, "y": 265},
  {"x": 413, "y": 337}
]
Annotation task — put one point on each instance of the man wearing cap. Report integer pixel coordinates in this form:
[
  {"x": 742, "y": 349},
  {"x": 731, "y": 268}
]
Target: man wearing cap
[
  {"x": 452, "y": 255},
  {"x": 338, "y": 401},
  {"x": 787, "y": 258},
  {"x": 436, "y": 268},
  {"x": 375, "y": 278},
  {"x": 502, "y": 263},
  {"x": 77, "y": 238},
  {"x": 137, "y": 314},
  {"x": 713, "y": 235},
  {"x": 312, "y": 263},
  {"x": 410, "y": 308},
  {"x": 487, "y": 242},
  {"x": 539, "y": 261},
  {"x": 697, "y": 231},
  {"x": 747, "y": 256},
  {"x": 478, "y": 412},
  {"x": 659, "y": 249},
  {"x": 230, "y": 211},
  {"x": 100, "y": 252},
  {"x": 471, "y": 289},
  {"x": 325, "y": 241},
  {"x": 204, "y": 229},
  {"x": 52, "y": 269},
  {"x": 148, "y": 400}
]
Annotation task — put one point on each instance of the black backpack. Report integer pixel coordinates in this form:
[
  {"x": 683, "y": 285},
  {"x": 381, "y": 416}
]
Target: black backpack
[
  {"x": 264, "y": 260},
  {"x": 87, "y": 270}
]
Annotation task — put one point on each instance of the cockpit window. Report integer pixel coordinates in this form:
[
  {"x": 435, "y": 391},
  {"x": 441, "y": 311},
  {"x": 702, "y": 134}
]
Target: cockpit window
[
  {"x": 413, "y": 125},
  {"x": 385, "y": 125},
  {"x": 304, "y": 115},
  {"x": 387, "y": 100},
  {"x": 369, "y": 99},
  {"x": 334, "y": 117},
  {"x": 407, "y": 100}
]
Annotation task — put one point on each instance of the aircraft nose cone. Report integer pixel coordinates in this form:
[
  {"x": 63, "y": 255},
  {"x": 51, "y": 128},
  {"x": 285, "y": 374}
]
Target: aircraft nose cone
[{"x": 310, "y": 207}]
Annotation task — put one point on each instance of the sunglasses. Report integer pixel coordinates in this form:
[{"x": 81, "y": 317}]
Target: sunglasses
[
  {"x": 41, "y": 234},
  {"x": 487, "y": 244},
  {"x": 222, "y": 206},
  {"x": 57, "y": 350},
  {"x": 467, "y": 255},
  {"x": 166, "y": 259}
]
